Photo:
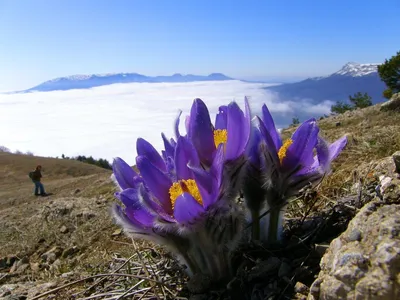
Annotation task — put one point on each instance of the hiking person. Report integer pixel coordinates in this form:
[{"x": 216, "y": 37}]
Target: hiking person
[{"x": 36, "y": 177}]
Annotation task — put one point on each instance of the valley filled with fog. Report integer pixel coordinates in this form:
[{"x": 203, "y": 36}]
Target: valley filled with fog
[{"x": 106, "y": 121}]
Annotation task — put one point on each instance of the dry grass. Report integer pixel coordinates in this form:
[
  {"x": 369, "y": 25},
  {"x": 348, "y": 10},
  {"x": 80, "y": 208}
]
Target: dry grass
[
  {"x": 372, "y": 135},
  {"x": 83, "y": 193}
]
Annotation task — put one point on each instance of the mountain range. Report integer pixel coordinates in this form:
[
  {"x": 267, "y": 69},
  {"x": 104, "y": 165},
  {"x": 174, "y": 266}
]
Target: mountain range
[
  {"x": 89, "y": 81},
  {"x": 350, "y": 79}
]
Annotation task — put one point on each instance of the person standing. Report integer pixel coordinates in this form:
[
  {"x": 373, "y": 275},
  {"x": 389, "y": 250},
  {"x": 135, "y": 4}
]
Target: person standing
[{"x": 36, "y": 177}]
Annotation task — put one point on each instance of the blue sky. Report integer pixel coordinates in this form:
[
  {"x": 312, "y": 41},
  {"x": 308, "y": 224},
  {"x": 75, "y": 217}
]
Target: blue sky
[{"x": 41, "y": 40}]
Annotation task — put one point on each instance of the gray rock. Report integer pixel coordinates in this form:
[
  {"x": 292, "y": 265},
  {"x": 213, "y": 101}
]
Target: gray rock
[
  {"x": 301, "y": 288},
  {"x": 64, "y": 229},
  {"x": 51, "y": 255},
  {"x": 364, "y": 262},
  {"x": 396, "y": 160}
]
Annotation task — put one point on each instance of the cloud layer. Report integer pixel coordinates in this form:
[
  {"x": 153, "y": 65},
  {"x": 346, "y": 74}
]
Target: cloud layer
[{"x": 106, "y": 121}]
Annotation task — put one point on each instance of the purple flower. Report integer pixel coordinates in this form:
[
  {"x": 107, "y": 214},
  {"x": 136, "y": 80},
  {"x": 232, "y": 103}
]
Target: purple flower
[
  {"x": 283, "y": 168},
  {"x": 231, "y": 129},
  {"x": 172, "y": 200}
]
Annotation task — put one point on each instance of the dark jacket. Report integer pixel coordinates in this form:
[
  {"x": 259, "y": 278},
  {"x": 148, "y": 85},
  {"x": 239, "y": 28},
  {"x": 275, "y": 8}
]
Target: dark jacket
[{"x": 36, "y": 175}]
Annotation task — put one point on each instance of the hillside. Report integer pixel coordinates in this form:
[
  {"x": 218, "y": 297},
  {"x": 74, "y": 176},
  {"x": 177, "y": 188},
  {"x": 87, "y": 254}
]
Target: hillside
[
  {"x": 350, "y": 79},
  {"x": 89, "y": 81},
  {"x": 70, "y": 235}
]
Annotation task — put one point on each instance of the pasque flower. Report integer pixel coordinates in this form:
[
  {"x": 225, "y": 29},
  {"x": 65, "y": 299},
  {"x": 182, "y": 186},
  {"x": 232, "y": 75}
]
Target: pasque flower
[
  {"x": 231, "y": 130},
  {"x": 178, "y": 204},
  {"x": 280, "y": 169}
]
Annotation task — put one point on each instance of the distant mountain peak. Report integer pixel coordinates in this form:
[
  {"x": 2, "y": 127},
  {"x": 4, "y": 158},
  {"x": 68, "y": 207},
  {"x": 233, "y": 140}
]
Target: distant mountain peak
[{"x": 356, "y": 70}]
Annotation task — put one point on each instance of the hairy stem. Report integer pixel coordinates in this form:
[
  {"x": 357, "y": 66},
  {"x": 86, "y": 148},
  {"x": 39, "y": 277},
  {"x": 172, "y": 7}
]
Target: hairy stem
[
  {"x": 255, "y": 218},
  {"x": 273, "y": 228}
]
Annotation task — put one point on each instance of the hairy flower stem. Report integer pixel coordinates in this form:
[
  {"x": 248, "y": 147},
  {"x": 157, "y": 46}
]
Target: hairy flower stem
[
  {"x": 273, "y": 228},
  {"x": 255, "y": 217}
]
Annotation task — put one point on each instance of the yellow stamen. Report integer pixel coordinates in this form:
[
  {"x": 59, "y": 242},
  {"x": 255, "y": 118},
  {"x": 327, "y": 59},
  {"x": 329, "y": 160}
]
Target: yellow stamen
[
  {"x": 220, "y": 136},
  {"x": 184, "y": 186},
  {"x": 283, "y": 150}
]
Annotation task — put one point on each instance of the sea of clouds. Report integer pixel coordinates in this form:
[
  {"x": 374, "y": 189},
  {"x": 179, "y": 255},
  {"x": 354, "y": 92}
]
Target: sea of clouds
[{"x": 106, "y": 121}]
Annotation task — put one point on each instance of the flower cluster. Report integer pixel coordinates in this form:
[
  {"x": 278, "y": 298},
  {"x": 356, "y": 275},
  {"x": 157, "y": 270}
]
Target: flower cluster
[{"x": 186, "y": 197}]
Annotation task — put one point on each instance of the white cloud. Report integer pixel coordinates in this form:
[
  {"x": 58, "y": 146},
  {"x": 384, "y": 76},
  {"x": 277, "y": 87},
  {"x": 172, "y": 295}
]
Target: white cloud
[{"x": 106, "y": 121}]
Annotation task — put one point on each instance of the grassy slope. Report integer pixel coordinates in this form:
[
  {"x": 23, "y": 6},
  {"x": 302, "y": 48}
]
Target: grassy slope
[
  {"x": 25, "y": 219},
  {"x": 372, "y": 135}
]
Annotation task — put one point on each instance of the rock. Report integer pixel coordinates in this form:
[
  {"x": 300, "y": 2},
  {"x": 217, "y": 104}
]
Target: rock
[
  {"x": 64, "y": 229},
  {"x": 117, "y": 232},
  {"x": 70, "y": 251},
  {"x": 265, "y": 268},
  {"x": 390, "y": 191},
  {"x": 51, "y": 255},
  {"x": 337, "y": 124},
  {"x": 396, "y": 160},
  {"x": 365, "y": 265},
  {"x": 301, "y": 288},
  {"x": 355, "y": 235},
  {"x": 67, "y": 274},
  {"x": 35, "y": 267},
  {"x": 393, "y": 104},
  {"x": 55, "y": 267},
  {"x": 77, "y": 191},
  {"x": 17, "y": 265},
  {"x": 299, "y": 296},
  {"x": 22, "y": 268}
]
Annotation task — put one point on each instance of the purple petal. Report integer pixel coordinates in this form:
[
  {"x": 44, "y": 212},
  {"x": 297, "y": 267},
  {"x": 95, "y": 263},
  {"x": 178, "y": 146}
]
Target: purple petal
[
  {"x": 201, "y": 131},
  {"x": 217, "y": 166},
  {"x": 185, "y": 154},
  {"x": 126, "y": 222},
  {"x": 129, "y": 197},
  {"x": 205, "y": 185},
  {"x": 337, "y": 147},
  {"x": 141, "y": 215},
  {"x": 152, "y": 205},
  {"x": 124, "y": 174},
  {"x": 253, "y": 151},
  {"x": 269, "y": 142},
  {"x": 144, "y": 148},
  {"x": 177, "y": 120},
  {"x": 270, "y": 125},
  {"x": 236, "y": 127},
  {"x": 169, "y": 148},
  {"x": 157, "y": 182},
  {"x": 187, "y": 123},
  {"x": 187, "y": 208},
  {"x": 322, "y": 154},
  {"x": 300, "y": 151},
  {"x": 221, "y": 118}
]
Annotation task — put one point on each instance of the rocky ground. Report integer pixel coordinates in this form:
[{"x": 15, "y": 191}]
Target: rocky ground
[{"x": 65, "y": 246}]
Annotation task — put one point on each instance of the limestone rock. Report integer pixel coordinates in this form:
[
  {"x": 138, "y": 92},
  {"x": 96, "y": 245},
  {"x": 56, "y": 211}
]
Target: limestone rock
[
  {"x": 64, "y": 229},
  {"x": 364, "y": 262},
  {"x": 51, "y": 255}
]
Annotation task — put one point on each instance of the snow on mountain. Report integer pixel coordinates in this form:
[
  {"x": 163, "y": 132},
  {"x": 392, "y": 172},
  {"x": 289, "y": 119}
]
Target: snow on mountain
[
  {"x": 350, "y": 79},
  {"x": 357, "y": 70}
]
